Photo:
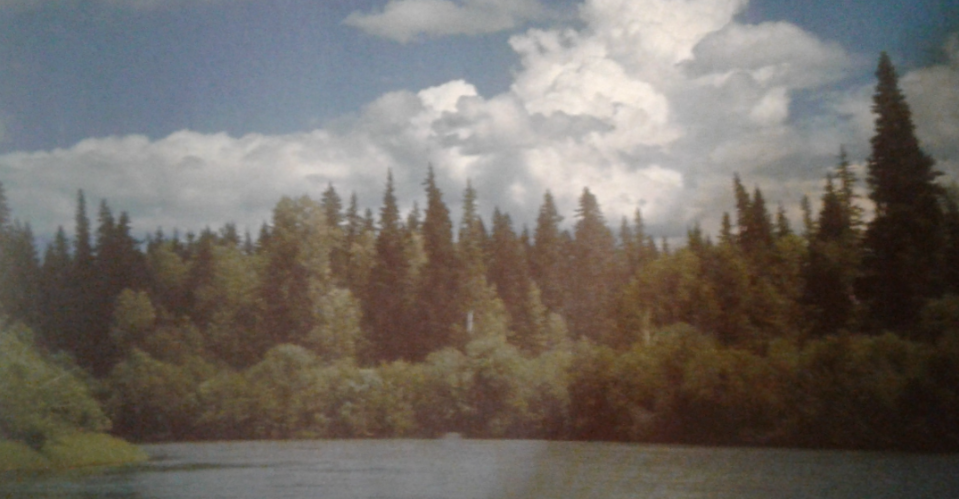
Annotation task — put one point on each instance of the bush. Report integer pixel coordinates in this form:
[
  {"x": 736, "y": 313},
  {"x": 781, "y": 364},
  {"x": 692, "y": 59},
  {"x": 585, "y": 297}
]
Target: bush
[{"x": 41, "y": 399}]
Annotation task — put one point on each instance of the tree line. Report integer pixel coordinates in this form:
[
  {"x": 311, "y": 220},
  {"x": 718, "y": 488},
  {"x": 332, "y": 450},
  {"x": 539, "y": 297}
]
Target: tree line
[{"x": 335, "y": 322}]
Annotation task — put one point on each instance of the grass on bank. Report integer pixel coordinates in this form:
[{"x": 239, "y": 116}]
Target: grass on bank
[{"x": 76, "y": 450}]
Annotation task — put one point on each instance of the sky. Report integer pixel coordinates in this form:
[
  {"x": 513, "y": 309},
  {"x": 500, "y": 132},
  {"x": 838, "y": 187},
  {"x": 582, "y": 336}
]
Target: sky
[{"x": 194, "y": 113}]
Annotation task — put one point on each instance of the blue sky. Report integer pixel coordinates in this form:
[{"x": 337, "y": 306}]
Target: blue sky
[{"x": 259, "y": 99}]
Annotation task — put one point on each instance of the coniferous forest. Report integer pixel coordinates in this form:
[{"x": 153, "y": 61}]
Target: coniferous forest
[{"x": 335, "y": 321}]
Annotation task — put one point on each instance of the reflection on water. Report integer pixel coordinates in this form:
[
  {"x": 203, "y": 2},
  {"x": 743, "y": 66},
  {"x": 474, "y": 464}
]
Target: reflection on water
[{"x": 464, "y": 469}]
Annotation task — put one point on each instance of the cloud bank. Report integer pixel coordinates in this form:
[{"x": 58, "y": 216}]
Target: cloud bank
[
  {"x": 405, "y": 20},
  {"x": 652, "y": 104}
]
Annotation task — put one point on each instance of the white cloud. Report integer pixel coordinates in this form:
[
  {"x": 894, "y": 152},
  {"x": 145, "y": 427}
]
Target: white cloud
[
  {"x": 650, "y": 103},
  {"x": 933, "y": 96},
  {"x": 405, "y": 20}
]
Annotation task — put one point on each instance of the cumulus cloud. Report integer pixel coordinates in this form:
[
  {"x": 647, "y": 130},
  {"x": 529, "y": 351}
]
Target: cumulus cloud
[
  {"x": 405, "y": 20},
  {"x": 933, "y": 95},
  {"x": 652, "y": 104}
]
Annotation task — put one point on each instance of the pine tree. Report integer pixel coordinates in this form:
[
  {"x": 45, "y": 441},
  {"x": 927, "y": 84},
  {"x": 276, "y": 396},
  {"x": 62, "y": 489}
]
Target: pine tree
[
  {"x": 783, "y": 229},
  {"x": 901, "y": 247},
  {"x": 387, "y": 296},
  {"x": 21, "y": 275},
  {"x": 547, "y": 256},
  {"x": 55, "y": 292},
  {"x": 827, "y": 271},
  {"x": 508, "y": 272},
  {"x": 809, "y": 226},
  {"x": 440, "y": 292},
  {"x": 591, "y": 272},
  {"x": 359, "y": 242},
  {"x": 82, "y": 246},
  {"x": 81, "y": 332},
  {"x": 472, "y": 241},
  {"x": 726, "y": 237},
  {"x": 846, "y": 193},
  {"x": 332, "y": 207}
]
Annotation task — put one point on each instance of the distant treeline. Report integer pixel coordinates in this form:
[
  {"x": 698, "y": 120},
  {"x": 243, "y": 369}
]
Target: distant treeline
[{"x": 333, "y": 322}]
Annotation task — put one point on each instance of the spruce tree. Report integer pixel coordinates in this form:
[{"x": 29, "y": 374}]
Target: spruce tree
[
  {"x": 81, "y": 332},
  {"x": 783, "y": 228},
  {"x": 55, "y": 296},
  {"x": 827, "y": 273},
  {"x": 335, "y": 222},
  {"x": 440, "y": 294},
  {"x": 471, "y": 241},
  {"x": 547, "y": 256},
  {"x": 901, "y": 247},
  {"x": 388, "y": 294},
  {"x": 591, "y": 272},
  {"x": 508, "y": 272}
]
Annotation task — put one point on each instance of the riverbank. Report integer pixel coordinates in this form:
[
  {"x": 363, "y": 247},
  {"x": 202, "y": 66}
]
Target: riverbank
[{"x": 77, "y": 450}]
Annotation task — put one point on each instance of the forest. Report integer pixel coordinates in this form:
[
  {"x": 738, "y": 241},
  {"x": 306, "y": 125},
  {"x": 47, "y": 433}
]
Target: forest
[{"x": 335, "y": 322}]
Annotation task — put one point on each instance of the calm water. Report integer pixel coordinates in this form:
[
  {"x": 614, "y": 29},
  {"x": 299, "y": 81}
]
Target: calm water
[{"x": 428, "y": 469}]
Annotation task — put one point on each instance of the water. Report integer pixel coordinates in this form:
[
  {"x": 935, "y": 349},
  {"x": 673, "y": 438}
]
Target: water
[{"x": 466, "y": 469}]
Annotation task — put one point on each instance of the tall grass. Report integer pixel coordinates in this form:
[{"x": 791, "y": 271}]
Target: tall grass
[{"x": 69, "y": 451}]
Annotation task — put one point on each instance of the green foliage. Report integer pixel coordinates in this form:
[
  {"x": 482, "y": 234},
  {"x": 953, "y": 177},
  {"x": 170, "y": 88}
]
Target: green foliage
[
  {"x": 41, "y": 397},
  {"x": 337, "y": 335},
  {"x": 18, "y": 456},
  {"x": 133, "y": 317},
  {"x": 69, "y": 451},
  {"x": 90, "y": 449},
  {"x": 668, "y": 290},
  {"x": 155, "y": 399}
]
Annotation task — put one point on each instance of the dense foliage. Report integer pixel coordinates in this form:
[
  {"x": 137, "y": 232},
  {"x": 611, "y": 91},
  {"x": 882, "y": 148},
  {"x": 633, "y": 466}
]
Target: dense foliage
[{"x": 332, "y": 323}]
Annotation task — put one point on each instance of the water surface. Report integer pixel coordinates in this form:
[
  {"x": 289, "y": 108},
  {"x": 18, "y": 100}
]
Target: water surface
[{"x": 466, "y": 469}]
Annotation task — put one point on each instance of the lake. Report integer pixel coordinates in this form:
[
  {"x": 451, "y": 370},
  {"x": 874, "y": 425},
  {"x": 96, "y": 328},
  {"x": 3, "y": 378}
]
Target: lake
[{"x": 462, "y": 469}]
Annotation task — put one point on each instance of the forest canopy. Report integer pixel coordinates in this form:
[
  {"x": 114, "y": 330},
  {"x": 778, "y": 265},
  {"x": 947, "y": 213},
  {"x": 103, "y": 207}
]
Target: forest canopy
[{"x": 337, "y": 322}]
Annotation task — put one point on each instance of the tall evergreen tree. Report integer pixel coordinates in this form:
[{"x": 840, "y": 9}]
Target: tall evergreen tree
[
  {"x": 828, "y": 270},
  {"x": 592, "y": 271},
  {"x": 509, "y": 273},
  {"x": 117, "y": 265},
  {"x": 548, "y": 255},
  {"x": 472, "y": 236},
  {"x": 359, "y": 242},
  {"x": 82, "y": 244},
  {"x": 336, "y": 225},
  {"x": 783, "y": 228},
  {"x": 901, "y": 247},
  {"x": 387, "y": 296},
  {"x": 332, "y": 207},
  {"x": 440, "y": 292},
  {"x": 21, "y": 274},
  {"x": 81, "y": 332},
  {"x": 846, "y": 192},
  {"x": 55, "y": 292}
]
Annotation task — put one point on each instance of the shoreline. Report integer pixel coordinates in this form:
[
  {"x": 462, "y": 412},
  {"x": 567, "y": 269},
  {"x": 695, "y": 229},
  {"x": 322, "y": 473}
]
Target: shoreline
[{"x": 73, "y": 451}]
